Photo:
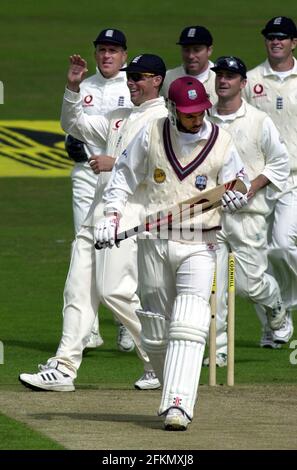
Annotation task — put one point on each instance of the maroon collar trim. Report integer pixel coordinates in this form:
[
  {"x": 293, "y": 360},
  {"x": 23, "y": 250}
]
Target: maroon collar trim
[{"x": 183, "y": 171}]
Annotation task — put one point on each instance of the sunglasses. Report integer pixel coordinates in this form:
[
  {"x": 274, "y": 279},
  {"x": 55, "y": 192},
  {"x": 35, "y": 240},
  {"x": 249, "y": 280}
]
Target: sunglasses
[
  {"x": 272, "y": 37},
  {"x": 137, "y": 76}
]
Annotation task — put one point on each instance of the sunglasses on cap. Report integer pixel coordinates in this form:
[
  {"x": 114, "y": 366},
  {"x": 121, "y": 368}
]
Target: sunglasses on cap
[
  {"x": 137, "y": 76},
  {"x": 272, "y": 37}
]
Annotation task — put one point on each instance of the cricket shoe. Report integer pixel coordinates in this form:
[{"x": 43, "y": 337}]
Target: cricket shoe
[
  {"x": 276, "y": 316},
  {"x": 125, "y": 340},
  {"x": 176, "y": 420},
  {"x": 52, "y": 377},
  {"x": 148, "y": 381},
  {"x": 95, "y": 340},
  {"x": 221, "y": 360},
  {"x": 267, "y": 340},
  {"x": 285, "y": 332}
]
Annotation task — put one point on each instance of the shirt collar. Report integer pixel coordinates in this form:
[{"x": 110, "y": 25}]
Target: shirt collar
[
  {"x": 239, "y": 113},
  {"x": 202, "y": 77},
  {"x": 120, "y": 76},
  {"x": 269, "y": 71}
]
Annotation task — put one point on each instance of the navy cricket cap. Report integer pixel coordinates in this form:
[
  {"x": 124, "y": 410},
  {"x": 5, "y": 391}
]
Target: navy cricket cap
[
  {"x": 195, "y": 35},
  {"x": 280, "y": 26},
  {"x": 111, "y": 36},
  {"x": 146, "y": 63},
  {"x": 231, "y": 63}
]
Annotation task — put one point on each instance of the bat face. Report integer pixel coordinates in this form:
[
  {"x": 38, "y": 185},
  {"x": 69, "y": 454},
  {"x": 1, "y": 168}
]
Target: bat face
[{"x": 203, "y": 202}]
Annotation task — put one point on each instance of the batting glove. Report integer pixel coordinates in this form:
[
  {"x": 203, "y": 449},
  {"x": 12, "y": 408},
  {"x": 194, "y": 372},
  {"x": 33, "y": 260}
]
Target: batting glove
[
  {"x": 233, "y": 201},
  {"x": 105, "y": 232}
]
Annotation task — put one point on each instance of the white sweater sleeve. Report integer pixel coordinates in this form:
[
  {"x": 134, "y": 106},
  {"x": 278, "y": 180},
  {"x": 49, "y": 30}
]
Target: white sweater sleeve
[
  {"x": 277, "y": 168},
  {"x": 233, "y": 168},
  {"x": 129, "y": 171},
  {"x": 92, "y": 130}
]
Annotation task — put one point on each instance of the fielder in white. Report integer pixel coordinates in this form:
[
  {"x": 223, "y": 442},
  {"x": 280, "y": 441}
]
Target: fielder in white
[
  {"x": 271, "y": 87},
  {"x": 100, "y": 93},
  {"x": 168, "y": 162},
  {"x": 196, "y": 44},
  {"x": 266, "y": 162},
  {"x": 107, "y": 276}
]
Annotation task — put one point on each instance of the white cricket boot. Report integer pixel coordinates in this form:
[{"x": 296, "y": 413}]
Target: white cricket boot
[
  {"x": 125, "y": 340},
  {"x": 285, "y": 332},
  {"x": 221, "y": 360},
  {"x": 53, "y": 376},
  {"x": 95, "y": 340},
  {"x": 176, "y": 420},
  {"x": 267, "y": 340},
  {"x": 148, "y": 381}
]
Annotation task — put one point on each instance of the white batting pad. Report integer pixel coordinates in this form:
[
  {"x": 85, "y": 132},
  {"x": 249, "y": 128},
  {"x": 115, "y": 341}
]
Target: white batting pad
[
  {"x": 187, "y": 336},
  {"x": 154, "y": 339}
]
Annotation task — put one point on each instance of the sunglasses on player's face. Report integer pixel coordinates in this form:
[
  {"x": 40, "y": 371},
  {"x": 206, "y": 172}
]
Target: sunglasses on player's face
[
  {"x": 137, "y": 76},
  {"x": 272, "y": 37}
]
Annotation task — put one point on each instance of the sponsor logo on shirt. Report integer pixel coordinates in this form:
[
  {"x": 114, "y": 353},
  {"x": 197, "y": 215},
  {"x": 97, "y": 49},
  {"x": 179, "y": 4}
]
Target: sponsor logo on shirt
[
  {"x": 258, "y": 91},
  {"x": 88, "y": 100}
]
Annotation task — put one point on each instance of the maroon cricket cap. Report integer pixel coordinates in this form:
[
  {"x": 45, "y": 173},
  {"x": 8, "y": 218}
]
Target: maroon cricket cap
[{"x": 189, "y": 95}]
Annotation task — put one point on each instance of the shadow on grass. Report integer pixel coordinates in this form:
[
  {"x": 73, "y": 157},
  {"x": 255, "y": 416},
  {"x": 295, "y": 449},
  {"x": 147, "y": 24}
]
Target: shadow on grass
[
  {"x": 33, "y": 345},
  {"x": 146, "y": 421},
  {"x": 51, "y": 348}
]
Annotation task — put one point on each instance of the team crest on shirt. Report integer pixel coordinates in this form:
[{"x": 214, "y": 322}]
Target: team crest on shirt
[
  {"x": 201, "y": 182},
  {"x": 159, "y": 175}
]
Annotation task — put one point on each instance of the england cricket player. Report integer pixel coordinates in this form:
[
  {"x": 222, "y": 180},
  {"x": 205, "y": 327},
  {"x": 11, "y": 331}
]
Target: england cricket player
[
  {"x": 103, "y": 276},
  {"x": 102, "y": 92},
  {"x": 266, "y": 162},
  {"x": 271, "y": 87},
  {"x": 196, "y": 48},
  {"x": 170, "y": 161}
]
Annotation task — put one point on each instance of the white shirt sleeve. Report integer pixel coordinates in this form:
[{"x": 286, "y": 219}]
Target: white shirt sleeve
[
  {"x": 129, "y": 171},
  {"x": 92, "y": 130},
  {"x": 277, "y": 168},
  {"x": 233, "y": 168}
]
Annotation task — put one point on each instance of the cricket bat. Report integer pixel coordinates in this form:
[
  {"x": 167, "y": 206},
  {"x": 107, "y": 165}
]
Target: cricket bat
[{"x": 207, "y": 200}]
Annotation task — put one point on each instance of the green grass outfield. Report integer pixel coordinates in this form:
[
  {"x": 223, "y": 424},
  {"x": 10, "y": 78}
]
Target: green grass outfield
[
  {"x": 40, "y": 36},
  {"x": 36, "y": 218}
]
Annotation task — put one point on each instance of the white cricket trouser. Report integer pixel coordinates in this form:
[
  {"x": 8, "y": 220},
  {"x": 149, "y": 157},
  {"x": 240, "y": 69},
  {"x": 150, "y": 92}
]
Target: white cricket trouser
[
  {"x": 89, "y": 268},
  {"x": 175, "y": 281},
  {"x": 282, "y": 250},
  {"x": 84, "y": 183},
  {"x": 167, "y": 268},
  {"x": 246, "y": 236}
]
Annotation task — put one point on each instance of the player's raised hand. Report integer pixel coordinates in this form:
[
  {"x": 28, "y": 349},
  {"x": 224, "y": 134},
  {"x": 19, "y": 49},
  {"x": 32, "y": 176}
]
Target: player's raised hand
[{"x": 77, "y": 72}]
